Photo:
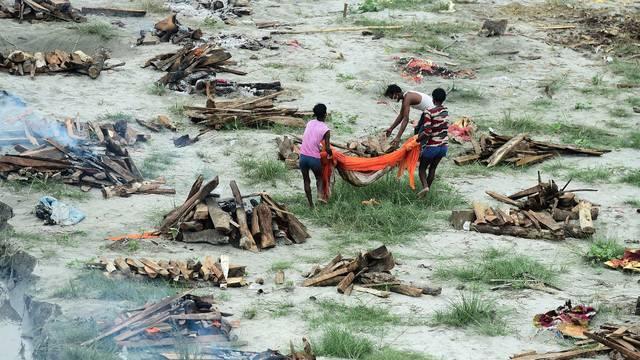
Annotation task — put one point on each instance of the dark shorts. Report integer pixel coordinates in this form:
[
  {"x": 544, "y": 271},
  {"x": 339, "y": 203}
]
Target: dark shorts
[
  {"x": 433, "y": 152},
  {"x": 310, "y": 163}
]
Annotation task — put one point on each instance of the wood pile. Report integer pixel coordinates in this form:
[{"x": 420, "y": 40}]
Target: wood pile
[
  {"x": 543, "y": 211},
  {"x": 257, "y": 112},
  {"x": 519, "y": 150},
  {"x": 369, "y": 272},
  {"x": 169, "y": 30},
  {"x": 258, "y": 225},
  {"x": 22, "y": 63},
  {"x": 41, "y": 10},
  {"x": 154, "y": 326},
  {"x": 187, "y": 271},
  {"x": 618, "y": 341},
  {"x": 190, "y": 65}
]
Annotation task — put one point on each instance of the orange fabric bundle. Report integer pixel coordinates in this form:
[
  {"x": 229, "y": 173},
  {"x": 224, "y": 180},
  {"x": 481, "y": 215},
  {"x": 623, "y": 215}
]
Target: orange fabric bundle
[{"x": 405, "y": 158}]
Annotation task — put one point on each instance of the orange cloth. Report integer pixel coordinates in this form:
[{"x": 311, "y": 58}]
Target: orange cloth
[
  {"x": 144, "y": 235},
  {"x": 405, "y": 158}
]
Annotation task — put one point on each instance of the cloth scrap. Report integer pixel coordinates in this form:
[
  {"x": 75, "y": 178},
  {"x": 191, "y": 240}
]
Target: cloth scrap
[
  {"x": 144, "y": 235},
  {"x": 630, "y": 261},
  {"x": 461, "y": 130},
  {"x": 55, "y": 212},
  {"x": 568, "y": 320},
  {"x": 416, "y": 69}
]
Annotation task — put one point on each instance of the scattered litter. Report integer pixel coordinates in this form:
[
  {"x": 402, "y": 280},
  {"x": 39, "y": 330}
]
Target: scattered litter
[
  {"x": 48, "y": 10},
  {"x": 370, "y": 202},
  {"x": 548, "y": 212},
  {"x": 416, "y": 69},
  {"x": 462, "y": 129},
  {"x": 169, "y": 30},
  {"x": 55, "y": 212},
  {"x": 241, "y": 41},
  {"x": 519, "y": 150},
  {"x": 568, "y": 320},
  {"x": 144, "y": 235},
  {"x": 369, "y": 272},
  {"x": 257, "y": 225},
  {"x": 630, "y": 261}
]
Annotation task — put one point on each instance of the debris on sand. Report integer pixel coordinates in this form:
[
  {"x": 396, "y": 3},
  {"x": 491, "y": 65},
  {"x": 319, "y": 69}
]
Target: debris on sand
[
  {"x": 22, "y": 63},
  {"x": 493, "y": 28},
  {"x": 416, "y": 69},
  {"x": 519, "y": 150},
  {"x": 548, "y": 212},
  {"x": 224, "y": 10},
  {"x": 169, "y": 30},
  {"x": 55, "y": 212},
  {"x": 191, "y": 65},
  {"x": 175, "y": 321},
  {"x": 369, "y": 272},
  {"x": 630, "y": 261},
  {"x": 619, "y": 341},
  {"x": 206, "y": 218},
  {"x": 186, "y": 271},
  {"x": 241, "y": 41},
  {"x": 31, "y": 10},
  {"x": 568, "y": 320},
  {"x": 258, "y": 112}
]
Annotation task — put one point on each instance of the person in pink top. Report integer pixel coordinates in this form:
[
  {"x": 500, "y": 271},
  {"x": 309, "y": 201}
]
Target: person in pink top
[{"x": 315, "y": 134}]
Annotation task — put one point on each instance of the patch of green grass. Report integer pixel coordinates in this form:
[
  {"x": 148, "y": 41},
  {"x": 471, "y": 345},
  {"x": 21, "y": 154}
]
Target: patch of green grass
[
  {"x": 542, "y": 103},
  {"x": 473, "y": 310},
  {"x": 157, "y": 163},
  {"x": 359, "y": 317},
  {"x": 336, "y": 342},
  {"x": 263, "y": 170},
  {"x": 101, "y": 29},
  {"x": 619, "y": 112},
  {"x": 250, "y": 312},
  {"x": 211, "y": 23},
  {"x": 345, "y": 77},
  {"x": 342, "y": 123},
  {"x": 597, "y": 80},
  {"x": 115, "y": 117},
  {"x": 427, "y": 5},
  {"x": 553, "y": 84},
  {"x": 281, "y": 265},
  {"x": 327, "y": 65},
  {"x": 152, "y": 6},
  {"x": 275, "y": 65},
  {"x": 583, "y": 106},
  {"x": 177, "y": 109},
  {"x": 69, "y": 239},
  {"x": 133, "y": 246},
  {"x": 629, "y": 70},
  {"x": 518, "y": 124},
  {"x": 400, "y": 213},
  {"x": 633, "y": 202},
  {"x": 62, "y": 338},
  {"x": 472, "y": 95},
  {"x": 55, "y": 188},
  {"x": 388, "y": 353},
  {"x": 632, "y": 177},
  {"x": 497, "y": 265},
  {"x": 96, "y": 285},
  {"x": 615, "y": 124},
  {"x": 156, "y": 89},
  {"x": 633, "y": 100},
  {"x": 300, "y": 76},
  {"x": 591, "y": 175},
  {"x": 602, "y": 250}
]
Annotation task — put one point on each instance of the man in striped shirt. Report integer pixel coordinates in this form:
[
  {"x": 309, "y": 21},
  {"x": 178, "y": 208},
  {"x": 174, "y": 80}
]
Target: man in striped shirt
[{"x": 434, "y": 139}]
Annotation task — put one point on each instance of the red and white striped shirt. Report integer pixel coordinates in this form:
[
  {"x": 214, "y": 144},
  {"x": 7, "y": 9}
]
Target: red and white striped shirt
[{"x": 436, "y": 126}]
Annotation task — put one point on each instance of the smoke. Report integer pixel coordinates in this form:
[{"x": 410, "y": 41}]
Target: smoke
[{"x": 17, "y": 120}]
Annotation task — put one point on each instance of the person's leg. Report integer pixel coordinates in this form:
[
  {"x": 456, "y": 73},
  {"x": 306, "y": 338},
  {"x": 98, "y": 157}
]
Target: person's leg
[
  {"x": 425, "y": 161},
  {"x": 432, "y": 170},
  {"x": 317, "y": 173},
  {"x": 304, "y": 168}
]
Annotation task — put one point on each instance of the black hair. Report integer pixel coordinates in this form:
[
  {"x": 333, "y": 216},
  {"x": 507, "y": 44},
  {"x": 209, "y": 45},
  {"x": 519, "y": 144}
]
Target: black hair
[
  {"x": 439, "y": 95},
  {"x": 320, "y": 111},
  {"x": 392, "y": 89}
]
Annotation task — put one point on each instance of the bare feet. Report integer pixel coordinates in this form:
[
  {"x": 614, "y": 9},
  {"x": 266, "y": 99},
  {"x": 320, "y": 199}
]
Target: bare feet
[
  {"x": 423, "y": 192},
  {"x": 322, "y": 201}
]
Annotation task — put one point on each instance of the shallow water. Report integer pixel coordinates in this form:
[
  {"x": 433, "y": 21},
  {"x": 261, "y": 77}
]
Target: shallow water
[{"x": 13, "y": 346}]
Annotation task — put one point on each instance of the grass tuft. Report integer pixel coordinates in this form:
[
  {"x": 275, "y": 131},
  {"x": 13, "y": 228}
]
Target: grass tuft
[
  {"x": 472, "y": 310},
  {"x": 55, "y": 188},
  {"x": 619, "y": 112},
  {"x": 602, "y": 250},
  {"x": 359, "y": 317},
  {"x": 152, "y": 6},
  {"x": 62, "y": 338},
  {"x": 629, "y": 70},
  {"x": 157, "y": 163},
  {"x": 281, "y": 265},
  {"x": 264, "y": 170},
  {"x": 101, "y": 29},
  {"x": 156, "y": 89},
  {"x": 632, "y": 177},
  {"x": 340, "y": 343},
  {"x": 115, "y": 117}
]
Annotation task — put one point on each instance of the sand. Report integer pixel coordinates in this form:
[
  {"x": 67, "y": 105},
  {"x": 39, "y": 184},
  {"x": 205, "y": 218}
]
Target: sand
[{"x": 372, "y": 63}]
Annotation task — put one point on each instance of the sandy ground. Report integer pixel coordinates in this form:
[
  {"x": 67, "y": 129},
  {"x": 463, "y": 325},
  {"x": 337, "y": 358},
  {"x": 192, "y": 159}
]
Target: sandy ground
[{"x": 371, "y": 62}]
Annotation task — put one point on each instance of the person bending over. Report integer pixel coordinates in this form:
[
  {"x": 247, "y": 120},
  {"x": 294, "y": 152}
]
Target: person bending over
[
  {"x": 410, "y": 99},
  {"x": 315, "y": 135},
  {"x": 433, "y": 137}
]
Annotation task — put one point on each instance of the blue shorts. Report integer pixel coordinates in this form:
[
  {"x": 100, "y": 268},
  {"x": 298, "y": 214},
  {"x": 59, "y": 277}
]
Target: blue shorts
[
  {"x": 434, "y": 152},
  {"x": 310, "y": 163}
]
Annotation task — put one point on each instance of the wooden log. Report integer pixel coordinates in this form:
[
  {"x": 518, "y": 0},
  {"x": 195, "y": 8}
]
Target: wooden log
[
  {"x": 562, "y": 215},
  {"x": 255, "y": 227},
  {"x": 584, "y": 214},
  {"x": 210, "y": 236},
  {"x": 628, "y": 354},
  {"x": 113, "y": 12},
  {"x": 406, "y": 290},
  {"x": 175, "y": 215},
  {"x": 246, "y": 241},
  {"x": 466, "y": 159},
  {"x": 345, "y": 283},
  {"x": 279, "y": 280},
  {"x": 546, "y": 219},
  {"x": 318, "y": 279},
  {"x": 265, "y": 219},
  {"x": 221, "y": 220},
  {"x": 504, "y": 150},
  {"x": 518, "y": 231},
  {"x": 378, "y": 293},
  {"x": 479, "y": 209},
  {"x": 98, "y": 63},
  {"x": 503, "y": 198},
  {"x": 568, "y": 354},
  {"x": 201, "y": 212}
]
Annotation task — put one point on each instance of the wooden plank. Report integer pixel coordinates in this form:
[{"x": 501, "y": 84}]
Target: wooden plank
[
  {"x": 279, "y": 280},
  {"x": 479, "y": 209},
  {"x": 246, "y": 241},
  {"x": 584, "y": 214},
  {"x": 628, "y": 354},
  {"x": 466, "y": 159},
  {"x": 504, "y": 150},
  {"x": 221, "y": 220},
  {"x": 378, "y": 293},
  {"x": 317, "y": 279},
  {"x": 408, "y": 290},
  {"x": 526, "y": 192},
  {"x": 267, "y": 240},
  {"x": 503, "y": 198},
  {"x": 174, "y": 216},
  {"x": 547, "y": 220},
  {"x": 201, "y": 212},
  {"x": 346, "y": 283},
  {"x": 569, "y": 354}
]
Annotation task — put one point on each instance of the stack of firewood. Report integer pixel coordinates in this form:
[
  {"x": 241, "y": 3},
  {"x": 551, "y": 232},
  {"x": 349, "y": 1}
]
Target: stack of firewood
[
  {"x": 41, "y": 10},
  {"x": 206, "y": 218},
  {"x": 519, "y": 150},
  {"x": 370, "y": 271},
  {"x": 240, "y": 112},
  {"x": 216, "y": 273},
  {"x": 544, "y": 211},
  {"x": 23, "y": 63},
  {"x": 169, "y": 29},
  {"x": 190, "y": 65},
  {"x": 195, "y": 318},
  {"x": 619, "y": 341}
]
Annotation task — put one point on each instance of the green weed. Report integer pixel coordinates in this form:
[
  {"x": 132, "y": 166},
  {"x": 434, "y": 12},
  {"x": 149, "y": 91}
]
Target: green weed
[
  {"x": 342, "y": 123},
  {"x": 211, "y": 23},
  {"x": 101, "y": 29},
  {"x": 629, "y": 70},
  {"x": 387, "y": 353},
  {"x": 345, "y": 77},
  {"x": 156, "y": 89},
  {"x": 542, "y": 103},
  {"x": 275, "y": 65},
  {"x": 602, "y": 250},
  {"x": 633, "y": 202},
  {"x": 359, "y": 317},
  {"x": 619, "y": 112},
  {"x": 300, "y": 76},
  {"x": 632, "y": 177},
  {"x": 157, "y": 163},
  {"x": 62, "y": 339},
  {"x": 552, "y": 85},
  {"x": 55, "y": 188},
  {"x": 583, "y": 106},
  {"x": 472, "y": 310},
  {"x": 152, "y": 6},
  {"x": 473, "y": 95},
  {"x": 326, "y": 65},
  {"x": 340, "y": 343},
  {"x": 115, "y": 117},
  {"x": 263, "y": 170},
  {"x": 281, "y": 265}
]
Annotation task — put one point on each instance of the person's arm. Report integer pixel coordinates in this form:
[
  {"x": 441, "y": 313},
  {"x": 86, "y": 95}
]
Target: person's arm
[
  {"x": 327, "y": 144},
  {"x": 402, "y": 119},
  {"x": 426, "y": 133}
]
